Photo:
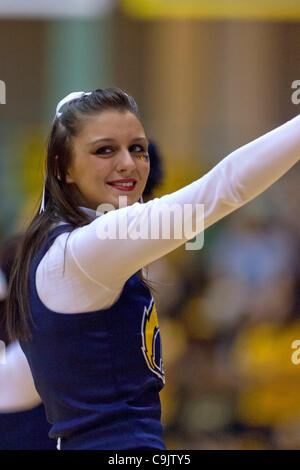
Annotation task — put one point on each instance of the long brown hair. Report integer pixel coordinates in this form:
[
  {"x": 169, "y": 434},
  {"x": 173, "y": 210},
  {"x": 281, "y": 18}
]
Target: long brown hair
[{"x": 59, "y": 202}]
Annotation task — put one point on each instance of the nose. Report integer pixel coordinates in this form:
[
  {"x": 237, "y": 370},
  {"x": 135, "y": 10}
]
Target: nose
[{"x": 125, "y": 161}]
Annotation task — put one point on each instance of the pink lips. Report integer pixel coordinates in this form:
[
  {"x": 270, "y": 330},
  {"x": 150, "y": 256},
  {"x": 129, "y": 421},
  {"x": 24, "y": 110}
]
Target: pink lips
[{"x": 126, "y": 184}]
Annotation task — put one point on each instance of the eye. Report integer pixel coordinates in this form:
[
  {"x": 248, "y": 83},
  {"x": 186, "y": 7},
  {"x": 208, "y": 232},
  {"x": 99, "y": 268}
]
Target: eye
[
  {"x": 104, "y": 150},
  {"x": 140, "y": 152},
  {"x": 137, "y": 148}
]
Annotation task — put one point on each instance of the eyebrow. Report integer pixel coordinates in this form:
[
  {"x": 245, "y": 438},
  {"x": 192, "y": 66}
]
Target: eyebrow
[{"x": 108, "y": 139}]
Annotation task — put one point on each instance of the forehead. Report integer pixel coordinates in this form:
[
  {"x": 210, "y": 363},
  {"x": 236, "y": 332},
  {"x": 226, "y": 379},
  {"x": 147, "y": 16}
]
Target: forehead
[{"x": 112, "y": 125}]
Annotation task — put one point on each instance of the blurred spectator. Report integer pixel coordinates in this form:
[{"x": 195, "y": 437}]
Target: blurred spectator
[
  {"x": 23, "y": 430},
  {"x": 234, "y": 385}
]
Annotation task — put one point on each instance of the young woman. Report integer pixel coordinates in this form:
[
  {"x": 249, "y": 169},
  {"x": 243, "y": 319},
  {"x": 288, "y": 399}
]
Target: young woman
[{"x": 78, "y": 302}]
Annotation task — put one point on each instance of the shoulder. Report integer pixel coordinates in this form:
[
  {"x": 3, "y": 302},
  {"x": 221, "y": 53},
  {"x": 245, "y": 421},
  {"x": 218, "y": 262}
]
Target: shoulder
[{"x": 54, "y": 256}]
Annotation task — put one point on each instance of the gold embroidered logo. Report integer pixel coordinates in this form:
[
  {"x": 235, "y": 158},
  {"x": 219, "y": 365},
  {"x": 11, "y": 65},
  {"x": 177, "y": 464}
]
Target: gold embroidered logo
[{"x": 151, "y": 341}]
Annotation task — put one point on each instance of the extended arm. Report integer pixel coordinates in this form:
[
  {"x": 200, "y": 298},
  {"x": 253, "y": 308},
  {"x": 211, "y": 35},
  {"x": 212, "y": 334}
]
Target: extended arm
[{"x": 237, "y": 179}]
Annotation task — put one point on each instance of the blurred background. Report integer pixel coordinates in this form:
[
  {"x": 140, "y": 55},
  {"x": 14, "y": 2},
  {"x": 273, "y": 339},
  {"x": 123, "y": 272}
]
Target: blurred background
[{"x": 209, "y": 76}]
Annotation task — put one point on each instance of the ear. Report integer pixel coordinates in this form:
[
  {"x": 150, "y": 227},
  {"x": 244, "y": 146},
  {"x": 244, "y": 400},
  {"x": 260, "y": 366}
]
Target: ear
[
  {"x": 56, "y": 168},
  {"x": 69, "y": 178}
]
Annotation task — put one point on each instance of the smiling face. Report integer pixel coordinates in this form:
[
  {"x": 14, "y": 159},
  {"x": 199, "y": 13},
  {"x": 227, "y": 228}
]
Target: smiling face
[{"x": 109, "y": 159}]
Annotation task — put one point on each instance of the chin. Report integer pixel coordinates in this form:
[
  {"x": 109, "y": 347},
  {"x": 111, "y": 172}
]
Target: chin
[{"x": 131, "y": 199}]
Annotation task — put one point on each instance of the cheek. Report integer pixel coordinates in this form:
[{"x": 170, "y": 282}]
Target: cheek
[
  {"x": 101, "y": 170},
  {"x": 145, "y": 170}
]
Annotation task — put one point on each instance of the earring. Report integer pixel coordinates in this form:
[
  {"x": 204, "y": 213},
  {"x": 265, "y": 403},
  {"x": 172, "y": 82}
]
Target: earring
[{"x": 43, "y": 202}]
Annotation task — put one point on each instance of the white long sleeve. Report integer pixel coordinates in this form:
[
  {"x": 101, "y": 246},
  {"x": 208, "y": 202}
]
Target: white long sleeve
[
  {"x": 97, "y": 269},
  {"x": 17, "y": 390}
]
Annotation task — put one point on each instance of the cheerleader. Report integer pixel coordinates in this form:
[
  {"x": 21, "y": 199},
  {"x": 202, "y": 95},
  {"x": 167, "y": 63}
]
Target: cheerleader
[{"x": 79, "y": 302}]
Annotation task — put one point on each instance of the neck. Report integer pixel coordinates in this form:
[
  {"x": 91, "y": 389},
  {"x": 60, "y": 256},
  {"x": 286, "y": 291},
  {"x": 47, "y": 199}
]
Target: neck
[{"x": 90, "y": 212}]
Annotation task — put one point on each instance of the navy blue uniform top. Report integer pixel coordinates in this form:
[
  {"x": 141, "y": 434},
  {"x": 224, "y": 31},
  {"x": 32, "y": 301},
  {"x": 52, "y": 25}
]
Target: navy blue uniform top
[{"x": 98, "y": 373}]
